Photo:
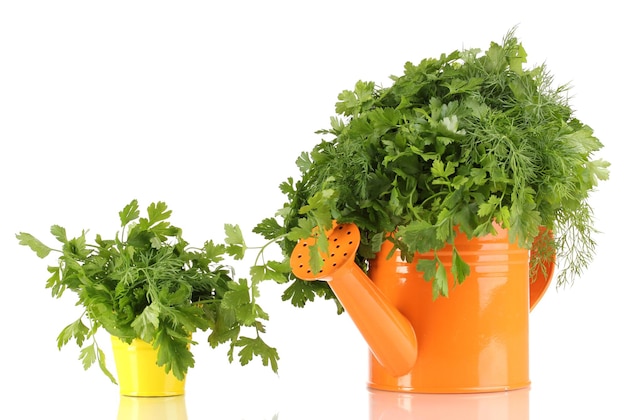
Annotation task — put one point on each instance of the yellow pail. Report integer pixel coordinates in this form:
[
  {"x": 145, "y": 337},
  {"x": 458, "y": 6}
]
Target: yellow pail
[{"x": 138, "y": 374}]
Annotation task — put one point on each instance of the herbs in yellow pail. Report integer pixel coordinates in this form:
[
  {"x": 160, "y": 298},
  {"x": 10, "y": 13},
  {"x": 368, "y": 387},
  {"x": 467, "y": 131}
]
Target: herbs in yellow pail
[{"x": 138, "y": 373}]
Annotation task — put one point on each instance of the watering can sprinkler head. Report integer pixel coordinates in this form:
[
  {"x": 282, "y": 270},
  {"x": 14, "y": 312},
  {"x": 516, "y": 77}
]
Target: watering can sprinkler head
[
  {"x": 388, "y": 333},
  {"x": 343, "y": 242}
]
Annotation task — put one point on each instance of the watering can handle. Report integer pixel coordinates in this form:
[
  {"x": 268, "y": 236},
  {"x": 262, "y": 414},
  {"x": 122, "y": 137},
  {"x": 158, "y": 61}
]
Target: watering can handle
[{"x": 541, "y": 278}]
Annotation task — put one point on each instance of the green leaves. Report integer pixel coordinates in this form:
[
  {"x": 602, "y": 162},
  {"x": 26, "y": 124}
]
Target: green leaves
[
  {"x": 235, "y": 241},
  {"x": 458, "y": 86},
  {"x": 77, "y": 330},
  {"x": 525, "y": 219},
  {"x": 33, "y": 243},
  {"x": 251, "y": 347},
  {"x": 300, "y": 292},
  {"x": 356, "y": 101},
  {"x": 271, "y": 270},
  {"x": 213, "y": 252},
  {"x": 460, "y": 269},
  {"x": 460, "y": 141},
  {"x": 173, "y": 352},
  {"x": 419, "y": 235},
  {"x": 439, "y": 170},
  {"x": 147, "y": 322},
  {"x": 238, "y": 299},
  {"x": 147, "y": 283},
  {"x": 129, "y": 213},
  {"x": 435, "y": 272}
]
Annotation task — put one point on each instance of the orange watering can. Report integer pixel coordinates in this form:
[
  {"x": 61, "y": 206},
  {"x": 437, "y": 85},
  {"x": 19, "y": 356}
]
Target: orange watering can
[{"x": 475, "y": 340}]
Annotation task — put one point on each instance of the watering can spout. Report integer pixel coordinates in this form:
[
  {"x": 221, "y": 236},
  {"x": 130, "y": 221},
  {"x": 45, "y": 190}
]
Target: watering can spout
[{"x": 388, "y": 333}]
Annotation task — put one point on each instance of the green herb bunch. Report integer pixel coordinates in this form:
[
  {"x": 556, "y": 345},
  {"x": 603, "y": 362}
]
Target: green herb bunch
[
  {"x": 453, "y": 145},
  {"x": 147, "y": 283}
]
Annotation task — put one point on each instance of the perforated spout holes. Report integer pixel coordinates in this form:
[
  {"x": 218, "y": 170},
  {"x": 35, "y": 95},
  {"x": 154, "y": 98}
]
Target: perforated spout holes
[{"x": 343, "y": 242}]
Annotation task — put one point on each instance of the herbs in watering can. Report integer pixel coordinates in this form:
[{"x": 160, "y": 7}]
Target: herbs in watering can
[{"x": 456, "y": 142}]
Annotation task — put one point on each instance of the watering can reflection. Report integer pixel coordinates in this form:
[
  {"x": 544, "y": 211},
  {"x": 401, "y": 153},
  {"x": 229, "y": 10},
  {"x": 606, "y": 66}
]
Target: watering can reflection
[
  {"x": 475, "y": 340},
  {"x": 510, "y": 405}
]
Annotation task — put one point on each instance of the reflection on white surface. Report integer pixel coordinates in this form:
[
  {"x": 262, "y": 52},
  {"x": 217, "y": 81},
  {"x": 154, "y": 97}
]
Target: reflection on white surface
[
  {"x": 509, "y": 405},
  {"x": 152, "y": 408}
]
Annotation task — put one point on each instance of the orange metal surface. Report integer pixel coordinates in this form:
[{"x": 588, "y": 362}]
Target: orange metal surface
[{"x": 475, "y": 340}]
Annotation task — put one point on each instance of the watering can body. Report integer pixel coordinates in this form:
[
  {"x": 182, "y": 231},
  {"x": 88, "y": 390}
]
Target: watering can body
[{"x": 474, "y": 340}]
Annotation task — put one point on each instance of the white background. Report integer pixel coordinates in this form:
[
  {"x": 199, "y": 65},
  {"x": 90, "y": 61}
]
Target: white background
[{"x": 206, "y": 105}]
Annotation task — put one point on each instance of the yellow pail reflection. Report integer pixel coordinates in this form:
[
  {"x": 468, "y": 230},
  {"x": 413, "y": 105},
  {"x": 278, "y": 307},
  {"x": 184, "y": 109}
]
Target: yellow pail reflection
[{"x": 152, "y": 408}]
